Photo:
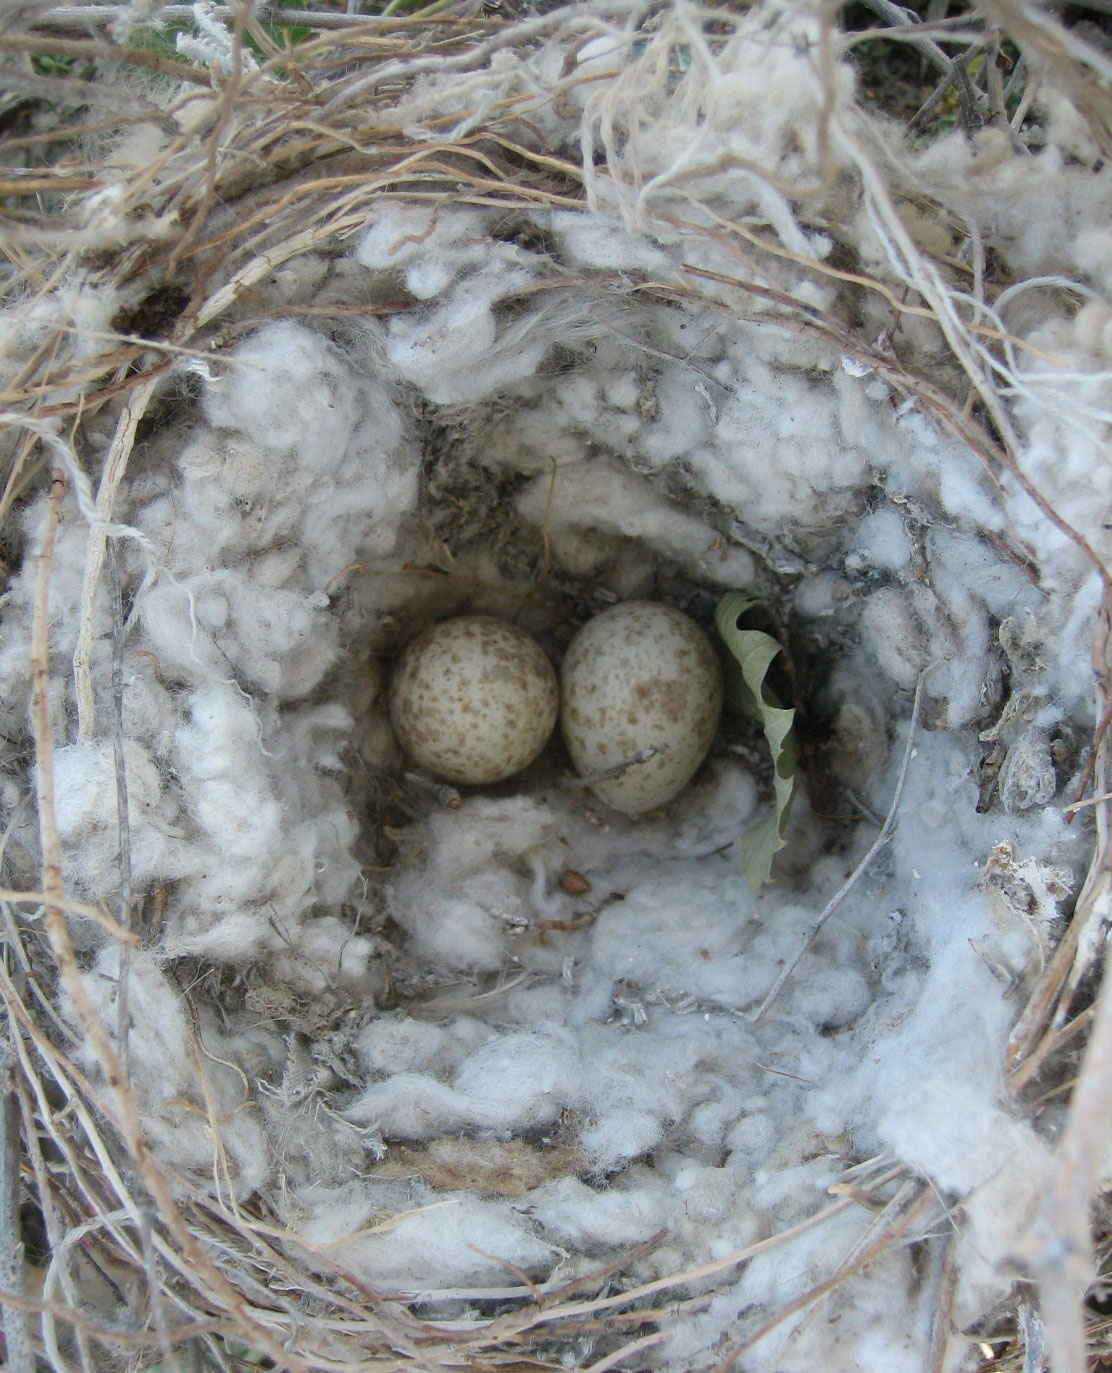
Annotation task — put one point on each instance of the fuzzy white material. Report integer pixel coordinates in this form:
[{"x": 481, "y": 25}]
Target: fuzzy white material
[{"x": 677, "y": 441}]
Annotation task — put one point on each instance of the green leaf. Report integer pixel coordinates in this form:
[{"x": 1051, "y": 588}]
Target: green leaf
[
  {"x": 46, "y": 64},
  {"x": 751, "y": 654}
]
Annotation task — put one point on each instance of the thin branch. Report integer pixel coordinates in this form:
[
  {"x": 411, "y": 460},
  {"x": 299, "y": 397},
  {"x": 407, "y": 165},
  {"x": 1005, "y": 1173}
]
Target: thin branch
[
  {"x": 618, "y": 770},
  {"x": 214, "y": 145},
  {"x": 633, "y": 1347},
  {"x": 1051, "y": 999},
  {"x": 115, "y": 465},
  {"x": 130, "y": 1339},
  {"x": 903, "y": 1220},
  {"x": 65, "y": 957},
  {"x": 69, "y": 16},
  {"x": 1059, "y": 1247},
  {"x": 122, "y": 820},
  {"x": 928, "y": 107},
  {"x": 514, "y": 1326},
  {"x": 19, "y": 1355},
  {"x": 123, "y": 1024},
  {"x": 942, "y": 1317},
  {"x": 104, "y": 52},
  {"x": 1029, "y": 1068},
  {"x": 102, "y": 918},
  {"x": 53, "y": 886},
  {"x": 902, "y": 18}
]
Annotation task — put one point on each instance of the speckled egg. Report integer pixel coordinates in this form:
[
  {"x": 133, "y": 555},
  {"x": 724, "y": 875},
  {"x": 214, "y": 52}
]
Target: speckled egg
[
  {"x": 638, "y": 677},
  {"x": 473, "y": 699}
]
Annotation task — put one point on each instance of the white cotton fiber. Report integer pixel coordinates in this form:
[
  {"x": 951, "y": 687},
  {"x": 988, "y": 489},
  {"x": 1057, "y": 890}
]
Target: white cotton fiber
[
  {"x": 924, "y": 462},
  {"x": 965, "y": 566},
  {"x": 750, "y": 1137},
  {"x": 619, "y": 1135},
  {"x": 707, "y": 1193},
  {"x": 852, "y": 1325},
  {"x": 881, "y": 541},
  {"x": 708, "y": 1122},
  {"x": 88, "y": 821},
  {"x": 718, "y": 115},
  {"x": 895, "y": 628},
  {"x": 572, "y": 407},
  {"x": 457, "y": 913},
  {"x": 1092, "y": 253},
  {"x": 189, "y": 1123},
  {"x": 932, "y": 1029},
  {"x": 602, "y": 497},
  {"x": 219, "y": 753},
  {"x": 974, "y": 1151},
  {"x": 636, "y": 1086},
  {"x": 521, "y": 1080},
  {"x": 397, "y": 1044},
  {"x": 771, "y": 454},
  {"x": 988, "y": 180},
  {"x": 657, "y": 935},
  {"x": 81, "y": 308},
  {"x": 327, "y": 955},
  {"x": 16, "y": 611},
  {"x": 304, "y": 467},
  {"x": 450, "y": 1242},
  {"x": 1068, "y": 647},
  {"x": 410, "y": 1106},
  {"x": 462, "y": 350},
  {"x": 220, "y": 625},
  {"x": 402, "y": 235},
  {"x": 86, "y": 779},
  {"x": 911, "y": 629},
  {"x": 600, "y": 241},
  {"x": 970, "y": 1139},
  {"x": 314, "y": 443},
  {"x": 560, "y": 422},
  {"x": 259, "y": 865},
  {"x": 682, "y": 417},
  {"x": 432, "y": 249},
  {"x": 833, "y": 997},
  {"x": 289, "y": 389},
  {"x": 591, "y": 1220},
  {"x": 1064, "y": 409},
  {"x": 514, "y": 1082},
  {"x": 465, "y": 933}
]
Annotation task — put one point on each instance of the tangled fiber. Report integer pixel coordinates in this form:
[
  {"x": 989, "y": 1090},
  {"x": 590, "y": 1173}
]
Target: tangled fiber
[{"x": 320, "y": 327}]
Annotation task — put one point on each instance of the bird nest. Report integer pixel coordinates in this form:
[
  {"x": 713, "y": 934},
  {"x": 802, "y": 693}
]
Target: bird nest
[{"x": 322, "y": 326}]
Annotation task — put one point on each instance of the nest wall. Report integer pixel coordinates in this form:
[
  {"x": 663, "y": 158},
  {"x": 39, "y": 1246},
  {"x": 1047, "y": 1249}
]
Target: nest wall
[{"x": 624, "y": 301}]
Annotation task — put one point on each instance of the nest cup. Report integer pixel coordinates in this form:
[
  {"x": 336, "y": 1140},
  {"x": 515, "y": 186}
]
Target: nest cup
[{"x": 341, "y": 326}]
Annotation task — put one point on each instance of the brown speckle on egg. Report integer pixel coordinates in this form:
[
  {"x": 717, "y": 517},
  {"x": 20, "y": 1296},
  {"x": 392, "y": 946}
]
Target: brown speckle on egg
[
  {"x": 473, "y": 700},
  {"x": 653, "y": 681}
]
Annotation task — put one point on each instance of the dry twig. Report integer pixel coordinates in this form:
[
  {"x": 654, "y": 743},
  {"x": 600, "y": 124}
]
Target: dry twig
[{"x": 19, "y": 1356}]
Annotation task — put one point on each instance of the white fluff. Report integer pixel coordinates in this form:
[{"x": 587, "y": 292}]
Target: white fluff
[
  {"x": 603, "y": 498},
  {"x": 211, "y": 1129},
  {"x": 607, "y": 1027},
  {"x": 454, "y": 1241}
]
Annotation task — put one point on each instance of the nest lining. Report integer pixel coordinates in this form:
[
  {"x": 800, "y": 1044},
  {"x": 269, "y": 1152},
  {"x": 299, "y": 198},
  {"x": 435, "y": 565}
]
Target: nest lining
[{"x": 582, "y": 1056}]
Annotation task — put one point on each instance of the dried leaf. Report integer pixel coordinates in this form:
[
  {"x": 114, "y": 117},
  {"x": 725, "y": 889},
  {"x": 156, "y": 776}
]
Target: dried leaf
[{"x": 752, "y": 652}]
